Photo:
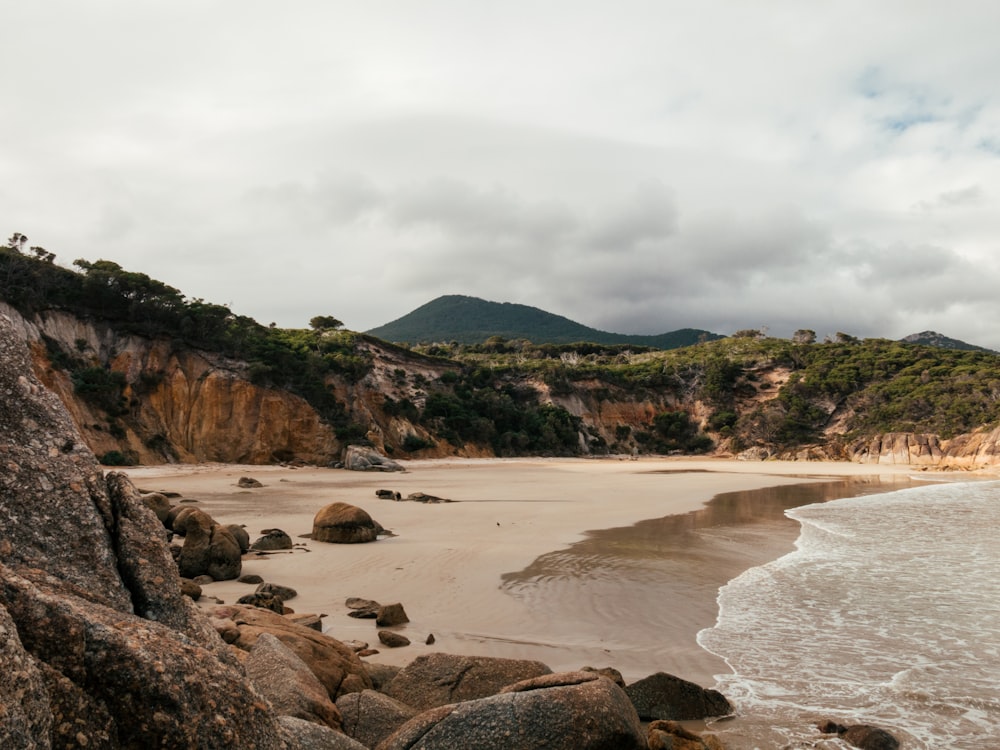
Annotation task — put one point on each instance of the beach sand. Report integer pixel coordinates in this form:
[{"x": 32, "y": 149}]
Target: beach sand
[{"x": 509, "y": 568}]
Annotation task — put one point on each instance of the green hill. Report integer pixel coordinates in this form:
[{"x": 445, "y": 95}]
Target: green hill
[
  {"x": 933, "y": 338},
  {"x": 470, "y": 320}
]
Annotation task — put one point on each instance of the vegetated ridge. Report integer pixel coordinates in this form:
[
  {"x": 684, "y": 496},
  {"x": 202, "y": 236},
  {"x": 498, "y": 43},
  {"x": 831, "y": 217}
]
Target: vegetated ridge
[
  {"x": 470, "y": 320},
  {"x": 150, "y": 376},
  {"x": 933, "y": 338}
]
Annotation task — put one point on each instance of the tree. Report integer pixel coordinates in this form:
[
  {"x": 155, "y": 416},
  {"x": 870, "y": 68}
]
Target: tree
[
  {"x": 17, "y": 241},
  {"x": 324, "y": 322},
  {"x": 804, "y": 336}
]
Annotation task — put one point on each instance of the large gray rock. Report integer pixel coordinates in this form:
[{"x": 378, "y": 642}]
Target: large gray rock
[
  {"x": 362, "y": 458},
  {"x": 25, "y": 714},
  {"x": 209, "y": 549},
  {"x": 370, "y": 717},
  {"x": 308, "y": 736},
  {"x": 438, "y": 679},
  {"x": 571, "y": 711},
  {"x": 285, "y": 680},
  {"x": 664, "y": 696}
]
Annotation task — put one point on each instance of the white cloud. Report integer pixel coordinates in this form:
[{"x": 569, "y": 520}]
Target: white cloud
[{"x": 639, "y": 166}]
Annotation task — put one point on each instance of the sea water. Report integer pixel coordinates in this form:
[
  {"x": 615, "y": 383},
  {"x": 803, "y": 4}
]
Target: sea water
[{"x": 887, "y": 613}]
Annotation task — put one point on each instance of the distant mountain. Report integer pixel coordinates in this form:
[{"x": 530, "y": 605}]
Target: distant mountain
[
  {"x": 470, "y": 320},
  {"x": 933, "y": 338}
]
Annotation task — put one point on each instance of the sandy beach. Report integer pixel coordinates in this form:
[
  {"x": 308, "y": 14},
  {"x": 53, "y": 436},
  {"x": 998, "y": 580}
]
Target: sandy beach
[{"x": 509, "y": 568}]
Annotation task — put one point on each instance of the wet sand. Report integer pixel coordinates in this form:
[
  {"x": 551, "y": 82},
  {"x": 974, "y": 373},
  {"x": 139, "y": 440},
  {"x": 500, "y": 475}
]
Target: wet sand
[{"x": 571, "y": 562}]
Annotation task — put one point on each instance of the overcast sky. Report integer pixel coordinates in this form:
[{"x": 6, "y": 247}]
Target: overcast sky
[{"x": 636, "y": 166}]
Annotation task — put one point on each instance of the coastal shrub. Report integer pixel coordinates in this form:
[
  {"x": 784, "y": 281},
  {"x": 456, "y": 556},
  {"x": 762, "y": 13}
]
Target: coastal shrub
[{"x": 413, "y": 443}]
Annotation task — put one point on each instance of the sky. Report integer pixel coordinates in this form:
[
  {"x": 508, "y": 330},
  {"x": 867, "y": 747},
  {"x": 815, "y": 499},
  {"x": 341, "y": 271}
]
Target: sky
[{"x": 636, "y": 166}]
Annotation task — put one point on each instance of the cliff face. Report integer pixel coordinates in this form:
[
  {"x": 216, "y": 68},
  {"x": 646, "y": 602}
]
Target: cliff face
[
  {"x": 183, "y": 405},
  {"x": 180, "y": 405}
]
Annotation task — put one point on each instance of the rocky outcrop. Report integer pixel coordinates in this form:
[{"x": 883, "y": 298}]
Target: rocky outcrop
[
  {"x": 343, "y": 523},
  {"x": 664, "y": 696},
  {"x": 370, "y": 716},
  {"x": 437, "y": 679},
  {"x": 336, "y": 666},
  {"x": 91, "y": 600},
  {"x": 570, "y": 711},
  {"x": 863, "y": 736}
]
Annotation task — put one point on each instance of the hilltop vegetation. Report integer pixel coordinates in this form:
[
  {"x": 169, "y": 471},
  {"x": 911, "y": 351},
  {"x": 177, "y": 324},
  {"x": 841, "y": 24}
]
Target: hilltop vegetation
[
  {"x": 509, "y": 396},
  {"x": 470, "y": 320}
]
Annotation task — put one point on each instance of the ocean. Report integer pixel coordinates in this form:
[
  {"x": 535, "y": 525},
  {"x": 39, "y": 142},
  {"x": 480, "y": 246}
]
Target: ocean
[{"x": 887, "y": 613}]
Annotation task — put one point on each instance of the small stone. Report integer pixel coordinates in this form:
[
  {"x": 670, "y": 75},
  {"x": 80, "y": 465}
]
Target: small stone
[{"x": 392, "y": 639}]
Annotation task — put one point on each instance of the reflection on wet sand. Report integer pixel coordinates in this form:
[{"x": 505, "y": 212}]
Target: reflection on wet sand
[{"x": 622, "y": 586}]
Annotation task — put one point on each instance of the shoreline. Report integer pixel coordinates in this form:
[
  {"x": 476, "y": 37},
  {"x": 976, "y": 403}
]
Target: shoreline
[{"x": 455, "y": 567}]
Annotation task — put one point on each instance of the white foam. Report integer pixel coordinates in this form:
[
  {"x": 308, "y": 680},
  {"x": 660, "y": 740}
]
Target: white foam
[{"x": 887, "y": 612}]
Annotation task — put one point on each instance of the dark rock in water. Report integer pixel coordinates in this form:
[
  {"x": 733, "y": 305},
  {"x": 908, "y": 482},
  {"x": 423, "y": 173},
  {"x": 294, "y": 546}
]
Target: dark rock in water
[
  {"x": 437, "y": 679},
  {"x": 869, "y": 738},
  {"x": 572, "y": 711},
  {"x": 248, "y": 483},
  {"x": 391, "y": 615},
  {"x": 388, "y": 495},
  {"x": 287, "y": 682},
  {"x": 91, "y": 600},
  {"x": 862, "y": 736},
  {"x": 272, "y": 539},
  {"x": 663, "y": 696},
  {"x": 342, "y": 523},
  {"x": 393, "y": 639},
  {"x": 370, "y": 717}
]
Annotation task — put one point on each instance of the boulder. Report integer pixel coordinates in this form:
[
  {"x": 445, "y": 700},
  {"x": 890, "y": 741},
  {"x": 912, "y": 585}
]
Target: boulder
[
  {"x": 159, "y": 504},
  {"x": 240, "y": 535},
  {"x": 392, "y": 639},
  {"x": 609, "y": 672},
  {"x": 370, "y": 717},
  {"x": 663, "y": 696},
  {"x": 190, "y": 589},
  {"x": 388, "y": 495},
  {"x": 363, "y": 458},
  {"x": 285, "y": 593},
  {"x": 342, "y": 523},
  {"x": 365, "y": 609},
  {"x": 864, "y": 736},
  {"x": 305, "y": 735},
  {"x": 248, "y": 483},
  {"x": 336, "y": 665},
  {"x": 437, "y": 679},
  {"x": 272, "y": 539},
  {"x": 288, "y": 683},
  {"x": 252, "y": 578},
  {"x": 264, "y": 601},
  {"x": 420, "y": 497},
  {"x": 390, "y": 615},
  {"x": 209, "y": 549},
  {"x": 669, "y": 735},
  {"x": 571, "y": 711}
]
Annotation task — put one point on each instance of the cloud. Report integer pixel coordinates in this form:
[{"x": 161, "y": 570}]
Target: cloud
[{"x": 638, "y": 168}]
